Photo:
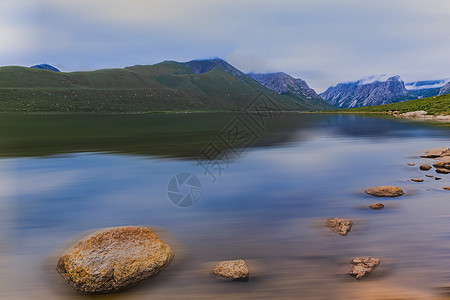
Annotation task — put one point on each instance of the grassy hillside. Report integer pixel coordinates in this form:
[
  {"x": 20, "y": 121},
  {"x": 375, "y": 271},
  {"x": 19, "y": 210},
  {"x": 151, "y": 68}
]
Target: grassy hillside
[
  {"x": 167, "y": 86},
  {"x": 433, "y": 105}
]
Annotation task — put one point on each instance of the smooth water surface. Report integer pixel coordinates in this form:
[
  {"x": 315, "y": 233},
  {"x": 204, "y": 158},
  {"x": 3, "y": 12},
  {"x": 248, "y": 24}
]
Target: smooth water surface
[{"x": 64, "y": 176}]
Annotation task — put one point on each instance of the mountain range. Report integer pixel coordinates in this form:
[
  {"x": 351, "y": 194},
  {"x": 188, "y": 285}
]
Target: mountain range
[
  {"x": 206, "y": 85},
  {"x": 376, "y": 90}
]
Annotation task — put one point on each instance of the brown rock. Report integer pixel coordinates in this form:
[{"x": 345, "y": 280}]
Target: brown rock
[
  {"x": 417, "y": 180},
  {"x": 442, "y": 165},
  {"x": 436, "y": 152},
  {"x": 411, "y": 164},
  {"x": 437, "y": 178},
  {"x": 361, "y": 266},
  {"x": 232, "y": 269},
  {"x": 339, "y": 225},
  {"x": 112, "y": 259},
  {"x": 442, "y": 171},
  {"x": 447, "y": 188},
  {"x": 425, "y": 167},
  {"x": 377, "y": 206},
  {"x": 385, "y": 191},
  {"x": 429, "y": 175}
]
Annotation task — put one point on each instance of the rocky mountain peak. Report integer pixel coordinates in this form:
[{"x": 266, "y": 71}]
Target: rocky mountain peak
[
  {"x": 283, "y": 83},
  {"x": 369, "y": 91}
]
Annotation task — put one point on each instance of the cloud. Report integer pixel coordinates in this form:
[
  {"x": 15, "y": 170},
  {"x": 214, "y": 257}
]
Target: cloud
[{"x": 322, "y": 41}]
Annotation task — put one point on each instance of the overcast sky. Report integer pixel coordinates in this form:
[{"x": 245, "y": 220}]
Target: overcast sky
[{"x": 321, "y": 41}]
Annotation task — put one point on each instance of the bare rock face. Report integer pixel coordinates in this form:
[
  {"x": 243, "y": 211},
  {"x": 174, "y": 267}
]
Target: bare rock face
[
  {"x": 385, "y": 191},
  {"x": 361, "y": 266},
  {"x": 411, "y": 164},
  {"x": 377, "y": 206},
  {"x": 447, "y": 188},
  {"x": 232, "y": 269},
  {"x": 429, "y": 175},
  {"x": 425, "y": 167},
  {"x": 436, "y": 152},
  {"x": 368, "y": 91},
  {"x": 339, "y": 225},
  {"x": 416, "y": 180},
  {"x": 113, "y": 259}
]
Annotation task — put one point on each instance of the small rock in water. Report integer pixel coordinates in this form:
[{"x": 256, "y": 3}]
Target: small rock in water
[
  {"x": 436, "y": 152},
  {"x": 411, "y": 164},
  {"x": 377, "y": 206},
  {"x": 232, "y": 269},
  {"x": 417, "y": 180},
  {"x": 339, "y": 225},
  {"x": 425, "y": 167},
  {"x": 112, "y": 259},
  {"x": 447, "y": 188},
  {"x": 443, "y": 171},
  {"x": 385, "y": 191},
  {"x": 437, "y": 178},
  {"x": 361, "y": 266},
  {"x": 428, "y": 175}
]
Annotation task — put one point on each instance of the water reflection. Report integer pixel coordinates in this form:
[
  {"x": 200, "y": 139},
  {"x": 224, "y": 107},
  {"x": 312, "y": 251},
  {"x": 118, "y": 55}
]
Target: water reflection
[{"x": 265, "y": 208}]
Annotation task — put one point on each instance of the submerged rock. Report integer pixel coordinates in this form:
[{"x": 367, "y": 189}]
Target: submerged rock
[
  {"x": 425, "y": 167},
  {"x": 411, "y": 164},
  {"x": 429, "y": 175},
  {"x": 436, "y": 152},
  {"x": 377, "y": 206},
  {"x": 232, "y": 269},
  {"x": 361, "y": 266},
  {"x": 385, "y": 191},
  {"x": 339, "y": 225},
  {"x": 112, "y": 259},
  {"x": 416, "y": 180}
]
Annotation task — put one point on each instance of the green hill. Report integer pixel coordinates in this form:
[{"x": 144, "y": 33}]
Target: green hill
[
  {"x": 433, "y": 105},
  {"x": 167, "y": 86}
]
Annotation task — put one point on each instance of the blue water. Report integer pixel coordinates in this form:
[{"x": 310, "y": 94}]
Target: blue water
[{"x": 268, "y": 207}]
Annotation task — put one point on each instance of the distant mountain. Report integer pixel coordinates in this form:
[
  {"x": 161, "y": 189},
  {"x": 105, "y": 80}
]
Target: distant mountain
[
  {"x": 425, "y": 88},
  {"x": 201, "y": 85},
  {"x": 206, "y": 65},
  {"x": 365, "y": 92},
  {"x": 45, "y": 67},
  {"x": 445, "y": 89},
  {"x": 285, "y": 84}
]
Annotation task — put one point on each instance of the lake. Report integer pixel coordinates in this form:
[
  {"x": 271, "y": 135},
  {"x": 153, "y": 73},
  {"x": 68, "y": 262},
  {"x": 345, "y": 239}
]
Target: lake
[{"x": 264, "y": 195}]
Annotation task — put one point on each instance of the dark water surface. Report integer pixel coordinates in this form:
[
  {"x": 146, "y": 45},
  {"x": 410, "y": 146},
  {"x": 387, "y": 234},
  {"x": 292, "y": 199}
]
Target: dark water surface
[{"x": 64, "y": 176}]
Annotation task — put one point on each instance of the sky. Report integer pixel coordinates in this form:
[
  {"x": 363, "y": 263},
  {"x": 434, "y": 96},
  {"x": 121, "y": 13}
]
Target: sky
[{"x": 321, "y": 41}]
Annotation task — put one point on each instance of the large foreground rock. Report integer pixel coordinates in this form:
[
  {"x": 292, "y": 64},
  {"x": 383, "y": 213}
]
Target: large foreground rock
[
  {"x": 385, "y": 191},
  {"x": 339, "y": 225},
  {"x": 114, "y": 258},
  {"x": 361, "y": 266},
  {"x": 232, "y": 269}
]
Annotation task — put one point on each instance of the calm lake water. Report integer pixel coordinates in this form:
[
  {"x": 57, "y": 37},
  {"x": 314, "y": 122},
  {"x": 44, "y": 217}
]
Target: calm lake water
[{"x": 64, "y": 176}]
